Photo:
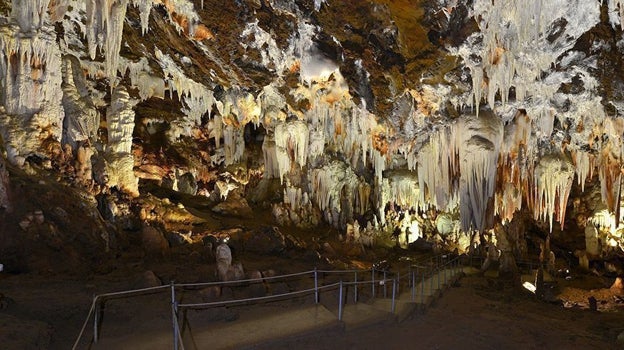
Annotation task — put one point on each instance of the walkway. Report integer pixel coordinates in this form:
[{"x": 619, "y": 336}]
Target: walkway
[{"x": 262, "y": 325}]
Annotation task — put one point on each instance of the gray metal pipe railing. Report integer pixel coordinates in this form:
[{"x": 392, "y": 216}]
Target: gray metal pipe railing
[{"x": 436, "y": 264}]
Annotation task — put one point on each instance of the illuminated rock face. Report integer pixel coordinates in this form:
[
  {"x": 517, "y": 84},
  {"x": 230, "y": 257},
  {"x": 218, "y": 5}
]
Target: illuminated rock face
[
  {"x": 358, "y": 116},
  {"x": 30, "y": 61}
]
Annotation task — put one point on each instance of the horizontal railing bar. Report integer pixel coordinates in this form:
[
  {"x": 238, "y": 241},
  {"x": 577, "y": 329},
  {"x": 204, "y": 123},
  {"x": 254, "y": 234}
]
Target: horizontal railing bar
[{"x": 268, "y": 297}]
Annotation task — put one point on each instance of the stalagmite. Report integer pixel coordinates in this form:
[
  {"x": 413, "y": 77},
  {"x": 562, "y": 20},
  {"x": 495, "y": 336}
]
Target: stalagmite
[
  {"x": 120, "y": 162},
  {"x": 81, "y": 118}
]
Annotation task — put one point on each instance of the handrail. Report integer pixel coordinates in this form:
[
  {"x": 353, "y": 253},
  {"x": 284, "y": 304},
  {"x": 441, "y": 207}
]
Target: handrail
[
  {"x": 268, "y": 297},
  {"x": 261, "y": 279},
  {"x": 431, "y": 266}
]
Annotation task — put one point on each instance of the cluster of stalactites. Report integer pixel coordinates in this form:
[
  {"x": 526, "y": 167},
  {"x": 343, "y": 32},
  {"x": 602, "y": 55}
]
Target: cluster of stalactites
[
  {"x": 435, "y": 168},
  {"x": 291, "y": 145},
  {"x": 339, "y": 192},
  {"x": 518, "y": 41},
  {"x": 619, "y": 4},
  {"x": 401, "y": 188},
  {"x": 105, "y": 20},
  {"x": 553, "y": 178},
  {"x": 198, "y": 99},
  {"x": 30, "y": 15},
  {"x": 30, "y": 80},
  {"x": 478, "y": 142},
  {"x": 507, "y": 26},
  {"x": 515, "y": 163}
]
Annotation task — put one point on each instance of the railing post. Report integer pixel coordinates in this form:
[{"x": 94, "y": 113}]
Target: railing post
[
  {"x": 355, "y": 296},
  {"x": 394, "y": 288},
  {"x": 384, "y": 283},
  {"x": 174, "y": 316},
  {"x": 96, "y": 317},
  {"x": 431, "y": 282},
  {"x": 373, "y": 281},
  {"x": 422, "y": 290},
  {"x": 398, "y": 281},
  {"x": 413, "y": 286},
  {"x": 439, "y": 277},
  {"x": 316, "y": 291},
  {"x": 340, "y": 303}
]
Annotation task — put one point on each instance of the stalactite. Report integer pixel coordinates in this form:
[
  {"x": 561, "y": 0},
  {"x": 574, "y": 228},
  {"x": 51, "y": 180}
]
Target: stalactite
[
  {"x": 584, "y": 167},
  {"x": 198, "y": 99},
  {"x": 478, "y": 141},
  {"x": 291, "y": 141},
  {"x": 512, "y": 166},
  {"x": 105, "y": 20},
  {"x": 30, "y": 81},
  {"x": 514, "y": 48},
  {"x": 334, "y": 186},
  {"x": 435, "y": 172},
  {"x": 145, "y": 7},
  {"x": 554, "y": 176},
  {"x": 233, "y": 143},
  {"x": 616, "y": 16},
  {"x": 81, "y": 117}
]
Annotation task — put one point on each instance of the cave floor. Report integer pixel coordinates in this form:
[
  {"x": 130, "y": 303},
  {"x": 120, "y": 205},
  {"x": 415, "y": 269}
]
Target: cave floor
[{"x": 480, "y": 312}]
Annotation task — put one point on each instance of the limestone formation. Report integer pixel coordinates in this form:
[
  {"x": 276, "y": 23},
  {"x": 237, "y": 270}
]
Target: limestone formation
[{"x": 495, "y": 113}]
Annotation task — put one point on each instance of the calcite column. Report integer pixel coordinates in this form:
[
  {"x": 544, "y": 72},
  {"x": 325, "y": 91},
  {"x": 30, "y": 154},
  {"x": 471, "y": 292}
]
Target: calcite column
[{"x": 119, "y": 159}]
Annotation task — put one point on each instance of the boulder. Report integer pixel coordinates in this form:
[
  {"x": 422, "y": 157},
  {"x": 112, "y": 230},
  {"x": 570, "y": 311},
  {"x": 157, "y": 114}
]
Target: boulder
[
  {"x": 618, "y": 285},
  {"x": 235, "y": 273},
  {"x": 187, "y": 183},
  {"x": 154, "y": 242},
  {"x": 210, "y": 294},
  {"x": 178, "y": 238},
  {"x": 620, "y": 338},
  {"x": 234, "y": 206},
  {"x": 147, "y": 280},
  {"x": 256, "y": 289},
  {"x": 266, "y": 241}
]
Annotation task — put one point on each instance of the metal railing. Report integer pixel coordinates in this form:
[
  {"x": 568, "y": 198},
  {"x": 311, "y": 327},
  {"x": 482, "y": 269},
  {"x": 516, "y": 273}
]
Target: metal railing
[{"x": 440, "y": 268}]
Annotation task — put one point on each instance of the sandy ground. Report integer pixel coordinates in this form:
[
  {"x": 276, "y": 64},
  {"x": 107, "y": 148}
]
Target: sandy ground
[{"x": 478, "y": 313}]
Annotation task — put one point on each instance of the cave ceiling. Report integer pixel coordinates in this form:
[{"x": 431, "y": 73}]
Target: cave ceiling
[{"x": 430, "y": 118}]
